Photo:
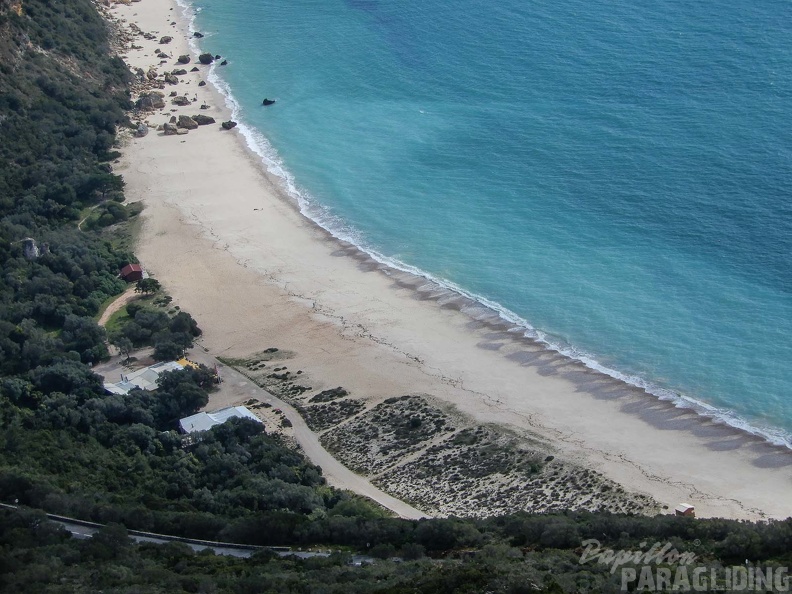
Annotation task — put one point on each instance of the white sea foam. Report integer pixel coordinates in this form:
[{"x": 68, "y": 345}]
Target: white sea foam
[{"x": 486, "y": 308}]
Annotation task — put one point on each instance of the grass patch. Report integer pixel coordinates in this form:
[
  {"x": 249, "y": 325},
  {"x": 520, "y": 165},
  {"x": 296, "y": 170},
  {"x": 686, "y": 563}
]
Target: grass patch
[
  {"x": 117, "y": 321},
  {"x": 105, "y": 305}
]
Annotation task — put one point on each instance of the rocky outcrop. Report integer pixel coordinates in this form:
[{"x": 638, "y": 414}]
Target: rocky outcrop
[
  {"x": 181, "y": 101},
  {"x": 228, "y": 125},
  {"x": 30, "y": 248},
  {"x": 166, "y": 39},
  {"x": 185, "y": 59},
  {"x": 150, "y": 101},
  {"x": 203, "y": 120},
  {"x": 186, "y": 122},
  {"x": 206, "y": 59}
]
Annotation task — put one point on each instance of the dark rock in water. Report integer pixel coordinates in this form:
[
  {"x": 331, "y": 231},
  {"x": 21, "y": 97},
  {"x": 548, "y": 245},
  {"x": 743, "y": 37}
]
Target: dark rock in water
[
  {"x": 166, "y": 39},
  {"x": 228, "y": 125},
  {"x": 170, "y": 129},
  {"x": 203, "y": 120},
  {"x": 194, "y": 69},
  {"x": 180, "y": 101},
  {"x": 205, "y": 59},
  {"x": 224, "y": 62},
  {"x": 202, "y": 83},
  {"x": 150, "y": 101},
  {"x": 218, "y": 56},
  {"x": 198, "y": 35},
  {"x": 141, "y": 130},
  {"x": 179, "y": 72},
  {"x": 186, "y": 122},
  {"x": 268, "y": 101},
  {"x": 185, "y": 59}
]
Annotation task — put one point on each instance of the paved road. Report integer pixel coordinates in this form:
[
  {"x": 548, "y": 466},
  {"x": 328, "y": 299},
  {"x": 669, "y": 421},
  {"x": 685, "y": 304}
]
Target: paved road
[
  {"x": 336, "y": 473},
  {"x": 84, "y": 530}
]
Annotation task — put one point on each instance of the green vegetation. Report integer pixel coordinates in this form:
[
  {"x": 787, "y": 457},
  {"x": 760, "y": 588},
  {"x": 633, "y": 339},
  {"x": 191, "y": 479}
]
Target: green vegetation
[
  {"x": 68, "y": 448},
  {"x": 138, "y": 325}
]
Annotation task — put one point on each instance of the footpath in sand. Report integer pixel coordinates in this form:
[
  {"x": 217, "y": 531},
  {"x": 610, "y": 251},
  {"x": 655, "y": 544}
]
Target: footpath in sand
[{"x": 255, "y": 273}]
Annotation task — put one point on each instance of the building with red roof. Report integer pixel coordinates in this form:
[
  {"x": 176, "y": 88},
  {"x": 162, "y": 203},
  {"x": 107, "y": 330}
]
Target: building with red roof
[{"x": 132, "y": 272}]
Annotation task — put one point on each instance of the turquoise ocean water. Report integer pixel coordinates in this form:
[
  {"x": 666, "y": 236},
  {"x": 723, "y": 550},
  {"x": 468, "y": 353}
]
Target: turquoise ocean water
[{"x": 615, "y": 174}]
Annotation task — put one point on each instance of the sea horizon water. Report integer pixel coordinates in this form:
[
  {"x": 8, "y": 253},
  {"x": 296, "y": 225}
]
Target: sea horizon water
[{"x": 613, "y": 176}]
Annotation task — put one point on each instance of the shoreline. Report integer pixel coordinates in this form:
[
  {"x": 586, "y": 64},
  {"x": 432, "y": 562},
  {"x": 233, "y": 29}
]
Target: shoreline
[
  {"x": 477, "y": 307},
  {"x": 349, "y": 323}
]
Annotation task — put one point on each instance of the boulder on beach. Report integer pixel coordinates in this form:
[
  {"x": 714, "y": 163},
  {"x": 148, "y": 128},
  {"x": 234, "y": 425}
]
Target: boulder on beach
[
  {"x": 204, "y": 106},
  {"x": 181, "y": 101},
  {"x": 150, "y": 101},
  {"x": 141, "y": 130},
  {"x": 166, "y": 39},
  {"x": 202, "y": 83},
  {"x": 194, "y": 69},
  {"x": 173, "y": 93},
  {"x": 205, "y": 59},
  {"x": 228, "y": 125},
  {"x": 185, "y": 59},
  {"x": 203, "y": 120},
  {"x": 151, "y": 74},
  {"x": 171, "y": 80},
  {"x": 170, "y": 129},
  {"x": 186, "y": 122},
  {"x": 179, "y": 72},
  {"x": 140, "y": 73},
  {"x": 173, "y": 119}
]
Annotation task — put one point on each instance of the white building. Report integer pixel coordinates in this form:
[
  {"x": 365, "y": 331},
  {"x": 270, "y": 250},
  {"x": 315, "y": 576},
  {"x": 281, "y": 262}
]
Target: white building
[
  {"x": 142, "y": 379},
  {"x": 203, "y": 421}
]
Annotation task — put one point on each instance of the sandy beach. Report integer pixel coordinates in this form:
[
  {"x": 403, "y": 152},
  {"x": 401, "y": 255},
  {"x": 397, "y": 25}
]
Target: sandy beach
[{"x": 238, "y": 255}]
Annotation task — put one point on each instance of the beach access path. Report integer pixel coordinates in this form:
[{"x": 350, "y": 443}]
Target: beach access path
[
  {"x": 121, "y": 301},
  {"x": 237, "y": 389}
]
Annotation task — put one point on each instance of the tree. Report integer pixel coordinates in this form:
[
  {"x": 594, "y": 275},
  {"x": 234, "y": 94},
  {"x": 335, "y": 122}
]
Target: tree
[
  {"x": 123, "y": 344},
  {"x": 147, "y": 285}
]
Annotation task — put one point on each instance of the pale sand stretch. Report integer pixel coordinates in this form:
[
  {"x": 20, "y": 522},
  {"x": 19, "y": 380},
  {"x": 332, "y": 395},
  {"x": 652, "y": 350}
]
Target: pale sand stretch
[{"x": 256, "y": 273}]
